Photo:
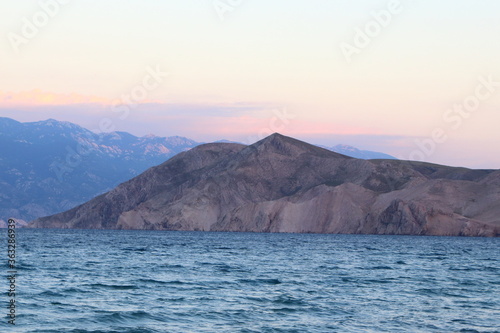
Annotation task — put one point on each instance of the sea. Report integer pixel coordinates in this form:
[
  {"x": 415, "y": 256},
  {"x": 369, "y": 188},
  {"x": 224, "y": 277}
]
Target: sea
[{"x": 103, "y": 281}]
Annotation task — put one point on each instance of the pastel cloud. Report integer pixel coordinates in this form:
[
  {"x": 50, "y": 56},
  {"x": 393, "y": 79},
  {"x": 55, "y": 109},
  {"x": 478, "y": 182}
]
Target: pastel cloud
[
  {"x": 38, "y": 97},
  {"x": 246, "y": 123}
]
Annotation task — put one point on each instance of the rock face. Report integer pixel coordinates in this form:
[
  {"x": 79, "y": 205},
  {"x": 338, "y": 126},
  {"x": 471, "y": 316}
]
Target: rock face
[{"x": 280, "y": 184}]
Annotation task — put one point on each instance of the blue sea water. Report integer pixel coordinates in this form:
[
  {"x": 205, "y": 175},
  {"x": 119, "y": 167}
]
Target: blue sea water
[{"x": 81, "y": 281}]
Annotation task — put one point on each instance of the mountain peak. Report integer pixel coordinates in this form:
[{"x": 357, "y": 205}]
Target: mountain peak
[
  {"x": 277, "y": 138},
  {"x": 8, "y": 120},
  {"x": 282, "y": 144},
  {"x": 50, "y": 121},
  {"x": 57, "y": 124},
  {"x": 8, "y": 123},
  {"x": 274, "y": 138}
]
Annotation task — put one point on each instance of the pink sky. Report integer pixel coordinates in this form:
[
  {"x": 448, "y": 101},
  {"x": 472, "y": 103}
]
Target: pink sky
[{"x": 192, "y": 74}]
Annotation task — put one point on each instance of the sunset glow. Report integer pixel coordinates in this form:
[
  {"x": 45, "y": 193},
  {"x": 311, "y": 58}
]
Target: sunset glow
[{"x": 388, "y": 71}]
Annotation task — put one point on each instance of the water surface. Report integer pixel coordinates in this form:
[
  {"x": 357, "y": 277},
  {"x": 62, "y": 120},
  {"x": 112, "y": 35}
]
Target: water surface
[{"x": 151, "y": 281}]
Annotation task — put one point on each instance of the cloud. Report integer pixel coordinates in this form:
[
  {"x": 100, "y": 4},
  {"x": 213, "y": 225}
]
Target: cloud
[
  {"x": 38, "y": 97},
  {"x": 238, "y": 121}
]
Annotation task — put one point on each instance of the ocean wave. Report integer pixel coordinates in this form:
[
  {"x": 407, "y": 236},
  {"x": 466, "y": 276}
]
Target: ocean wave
[
  {"x": 112, "y": 286},
  {"x": 260, "y": 281},
  {"x": 117, "y": 330}
]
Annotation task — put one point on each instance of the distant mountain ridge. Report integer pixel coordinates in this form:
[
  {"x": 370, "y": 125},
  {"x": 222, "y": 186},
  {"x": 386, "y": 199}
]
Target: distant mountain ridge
[
  {"x": 49, "y": 166},
  {"x": 281, "y": 184},
  {"x": 357, "y": 153}
]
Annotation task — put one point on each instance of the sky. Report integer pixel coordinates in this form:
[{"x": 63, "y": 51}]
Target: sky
[{"x": 418, "y": 80}]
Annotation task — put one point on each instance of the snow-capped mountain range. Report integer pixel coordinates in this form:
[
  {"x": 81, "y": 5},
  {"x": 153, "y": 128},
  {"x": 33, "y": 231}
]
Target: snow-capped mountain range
[{"x": 50, "y": 166}]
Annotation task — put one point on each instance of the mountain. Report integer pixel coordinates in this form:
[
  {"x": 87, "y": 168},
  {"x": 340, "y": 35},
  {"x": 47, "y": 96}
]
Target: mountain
[
  {"x": 346, "y": 150},
  {"x": 19, "y": 223},
  {"x": 280, "y": 184},
  {"x": 357, "y": 153},
  {"x": 50, "y": 166}
]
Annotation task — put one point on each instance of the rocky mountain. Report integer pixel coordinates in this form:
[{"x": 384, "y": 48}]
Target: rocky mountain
[
  {"x": 49, "y": 166},
  {"x": 280, "y": 184}
]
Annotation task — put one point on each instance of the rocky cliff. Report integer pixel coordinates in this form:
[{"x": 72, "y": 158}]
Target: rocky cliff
[{"x": 280, "y": 184}]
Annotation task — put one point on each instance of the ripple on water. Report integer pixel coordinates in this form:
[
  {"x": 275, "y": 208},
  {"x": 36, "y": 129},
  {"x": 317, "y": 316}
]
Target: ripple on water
[
  {"x": 149, "y": 282},
  {"x": 260, "y": 281},
  {"x": 112, "y": 286}
]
